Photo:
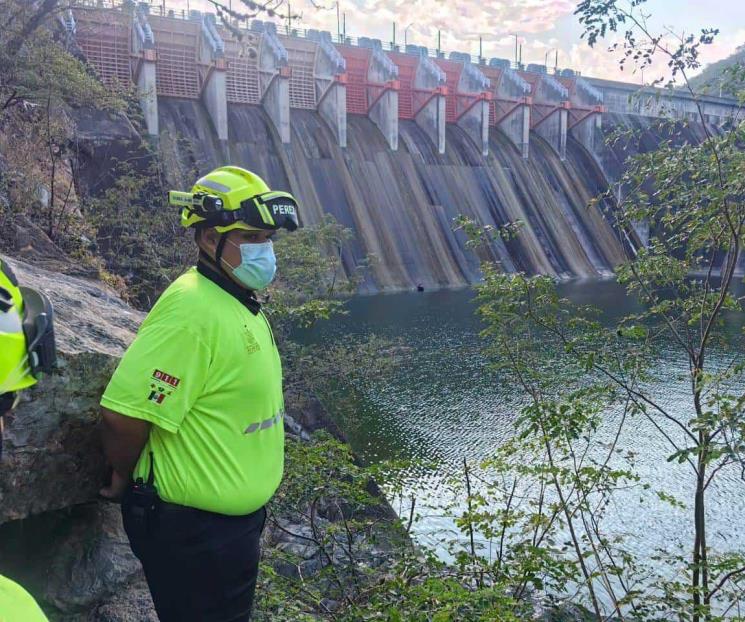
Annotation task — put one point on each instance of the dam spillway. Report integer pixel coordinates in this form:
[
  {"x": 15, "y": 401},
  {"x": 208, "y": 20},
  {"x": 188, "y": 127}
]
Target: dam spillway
[
  {"x": 401, "y": 204},
  {"x": 394, "y": 143}
]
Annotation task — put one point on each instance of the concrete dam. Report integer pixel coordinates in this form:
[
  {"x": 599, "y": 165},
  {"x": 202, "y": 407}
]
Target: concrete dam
[{"x": 395, "y": 142}]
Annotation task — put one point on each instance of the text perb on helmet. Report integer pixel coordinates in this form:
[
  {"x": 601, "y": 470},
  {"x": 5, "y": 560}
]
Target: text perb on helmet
[
  {"x": 26, "y": 334},
  {"x": 233, "y": 198}
]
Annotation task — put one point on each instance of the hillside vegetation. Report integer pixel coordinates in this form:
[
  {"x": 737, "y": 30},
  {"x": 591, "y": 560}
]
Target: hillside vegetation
[{"x": 718, "y": 77}]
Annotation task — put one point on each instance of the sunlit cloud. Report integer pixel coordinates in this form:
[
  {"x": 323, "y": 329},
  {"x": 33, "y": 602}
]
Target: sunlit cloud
[
  {"x": 463, "y": 21},
  {"x": 602, "y": 62},
  {"x": 543, "y": 28}
]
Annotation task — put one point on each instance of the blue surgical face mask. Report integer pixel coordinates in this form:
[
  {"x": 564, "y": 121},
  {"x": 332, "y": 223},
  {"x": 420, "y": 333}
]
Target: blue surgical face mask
[{"x": 258, "y": 265}]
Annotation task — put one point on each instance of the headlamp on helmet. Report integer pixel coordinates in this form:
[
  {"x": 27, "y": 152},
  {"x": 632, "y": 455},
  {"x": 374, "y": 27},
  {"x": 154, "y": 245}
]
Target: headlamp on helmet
[{"x": 200, "y": 203}]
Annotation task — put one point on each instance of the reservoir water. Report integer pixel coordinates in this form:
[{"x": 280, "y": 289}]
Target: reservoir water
[{"x": 442, "y": 405}]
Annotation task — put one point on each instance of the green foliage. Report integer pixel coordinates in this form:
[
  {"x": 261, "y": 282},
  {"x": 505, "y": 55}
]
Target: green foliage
[
  {"x": 560, "y": 465},
  {"x": 639, "y": 47},
  {"x": 324, "y": 468},
  {"x": 41, "y": 87},
  {"x": 478, "y": 235},
  {"x": 334, "y": 372},
  {"x": 369, "y": 570},
  {"x": 724, "y": 77},
  {"x": 325, "y": 489},
  {"x": 38, "y": 178},
  {"x": 44, "y": 70},
  {"x": 137, "y": 235},
  {"x": 436, "y": 598},
  {"x": 310, "y": 280},
  {"x": 35, "y": 68}
]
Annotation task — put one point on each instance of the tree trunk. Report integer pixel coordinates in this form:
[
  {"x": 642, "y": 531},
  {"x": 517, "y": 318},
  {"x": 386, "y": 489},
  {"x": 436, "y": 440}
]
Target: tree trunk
[{"x": 700, "y": 574}]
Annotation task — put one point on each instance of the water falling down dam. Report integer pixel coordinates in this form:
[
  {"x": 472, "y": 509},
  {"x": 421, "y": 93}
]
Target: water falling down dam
[{"x": 394, "y": 143}]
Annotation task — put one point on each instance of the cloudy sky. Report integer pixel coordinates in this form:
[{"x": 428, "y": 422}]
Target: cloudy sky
[{"x": 542, "y": 26}]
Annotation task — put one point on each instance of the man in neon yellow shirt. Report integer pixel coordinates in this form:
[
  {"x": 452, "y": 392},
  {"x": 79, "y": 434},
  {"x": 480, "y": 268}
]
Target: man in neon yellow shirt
[
  {"x": 26, "y": 349},
  {"x": 194, "y": 412}
]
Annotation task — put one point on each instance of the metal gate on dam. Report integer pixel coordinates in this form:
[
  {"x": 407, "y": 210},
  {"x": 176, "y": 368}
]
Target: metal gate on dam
[
  {"x": 364, "y": 130},
  {"x": 168, "y": 53}
]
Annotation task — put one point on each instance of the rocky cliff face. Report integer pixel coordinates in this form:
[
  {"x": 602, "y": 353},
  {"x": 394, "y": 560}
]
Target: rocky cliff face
[
  {"x": 68, "y": 547},
  {"x": 52, "y": 454}
]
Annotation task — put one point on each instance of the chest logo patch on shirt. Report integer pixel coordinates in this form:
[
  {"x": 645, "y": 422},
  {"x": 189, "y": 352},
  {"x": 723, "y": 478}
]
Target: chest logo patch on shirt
[{"x": 251, "y": 344}]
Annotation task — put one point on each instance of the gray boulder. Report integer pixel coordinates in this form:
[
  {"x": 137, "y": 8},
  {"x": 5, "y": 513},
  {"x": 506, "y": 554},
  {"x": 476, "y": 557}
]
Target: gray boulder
[
  {"x": 92, "y": 562},
  {"x": 131, "y": 604},
  {"x": 53, "y": 460},
  {"x": 52, "y": 455}
]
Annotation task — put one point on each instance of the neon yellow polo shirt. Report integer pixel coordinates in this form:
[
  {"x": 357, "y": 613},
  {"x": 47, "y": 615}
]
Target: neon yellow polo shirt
[
  {"x": 17, "y": 605},
  {"x": 205, "y": 371}
]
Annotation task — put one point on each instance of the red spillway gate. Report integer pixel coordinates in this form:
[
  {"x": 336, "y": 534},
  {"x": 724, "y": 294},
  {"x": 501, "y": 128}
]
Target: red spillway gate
[
  {"x": 540, "y": 110},
  {"x": 453, "y": 71},
  {"x": 358, "y": 66},
  {"x": 411, "y": 100},
  {"x": 407, "y": 66},
  {"x": 458, "y": 103},
  {"x": 578, "y": 112}
]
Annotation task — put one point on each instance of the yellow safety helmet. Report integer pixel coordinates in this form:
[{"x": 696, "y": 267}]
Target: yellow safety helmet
[
  {"x": 230, "y": 198},
  {"x": 26, "y": 334}
]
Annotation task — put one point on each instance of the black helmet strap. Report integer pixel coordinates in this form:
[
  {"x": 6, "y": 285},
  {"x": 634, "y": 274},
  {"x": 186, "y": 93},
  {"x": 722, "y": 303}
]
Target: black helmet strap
[{"x": 220, "y": 248}]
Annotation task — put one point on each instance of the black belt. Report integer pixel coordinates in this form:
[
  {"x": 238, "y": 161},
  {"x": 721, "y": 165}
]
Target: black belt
[
  {"x": 174, "y": 508},
  {"x": 151, "y": 504}
]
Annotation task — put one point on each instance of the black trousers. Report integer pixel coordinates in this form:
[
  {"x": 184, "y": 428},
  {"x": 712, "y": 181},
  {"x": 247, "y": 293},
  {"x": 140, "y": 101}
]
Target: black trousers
[{"x": 200, "y": 566}]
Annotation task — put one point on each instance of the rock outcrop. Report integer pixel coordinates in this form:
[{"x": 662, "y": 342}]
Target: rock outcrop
[
  {"x": 72, "y": 553},
  {"x": 52, "y": 455},
  {"x": 93, "y": 560}
]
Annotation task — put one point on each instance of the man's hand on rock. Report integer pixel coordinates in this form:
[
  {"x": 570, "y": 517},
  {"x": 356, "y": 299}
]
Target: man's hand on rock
[{"x": 115, "y": 490}]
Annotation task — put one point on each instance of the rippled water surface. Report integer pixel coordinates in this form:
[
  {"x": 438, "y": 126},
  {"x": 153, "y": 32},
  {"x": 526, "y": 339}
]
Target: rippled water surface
[{"x": 443, "y": 405}]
